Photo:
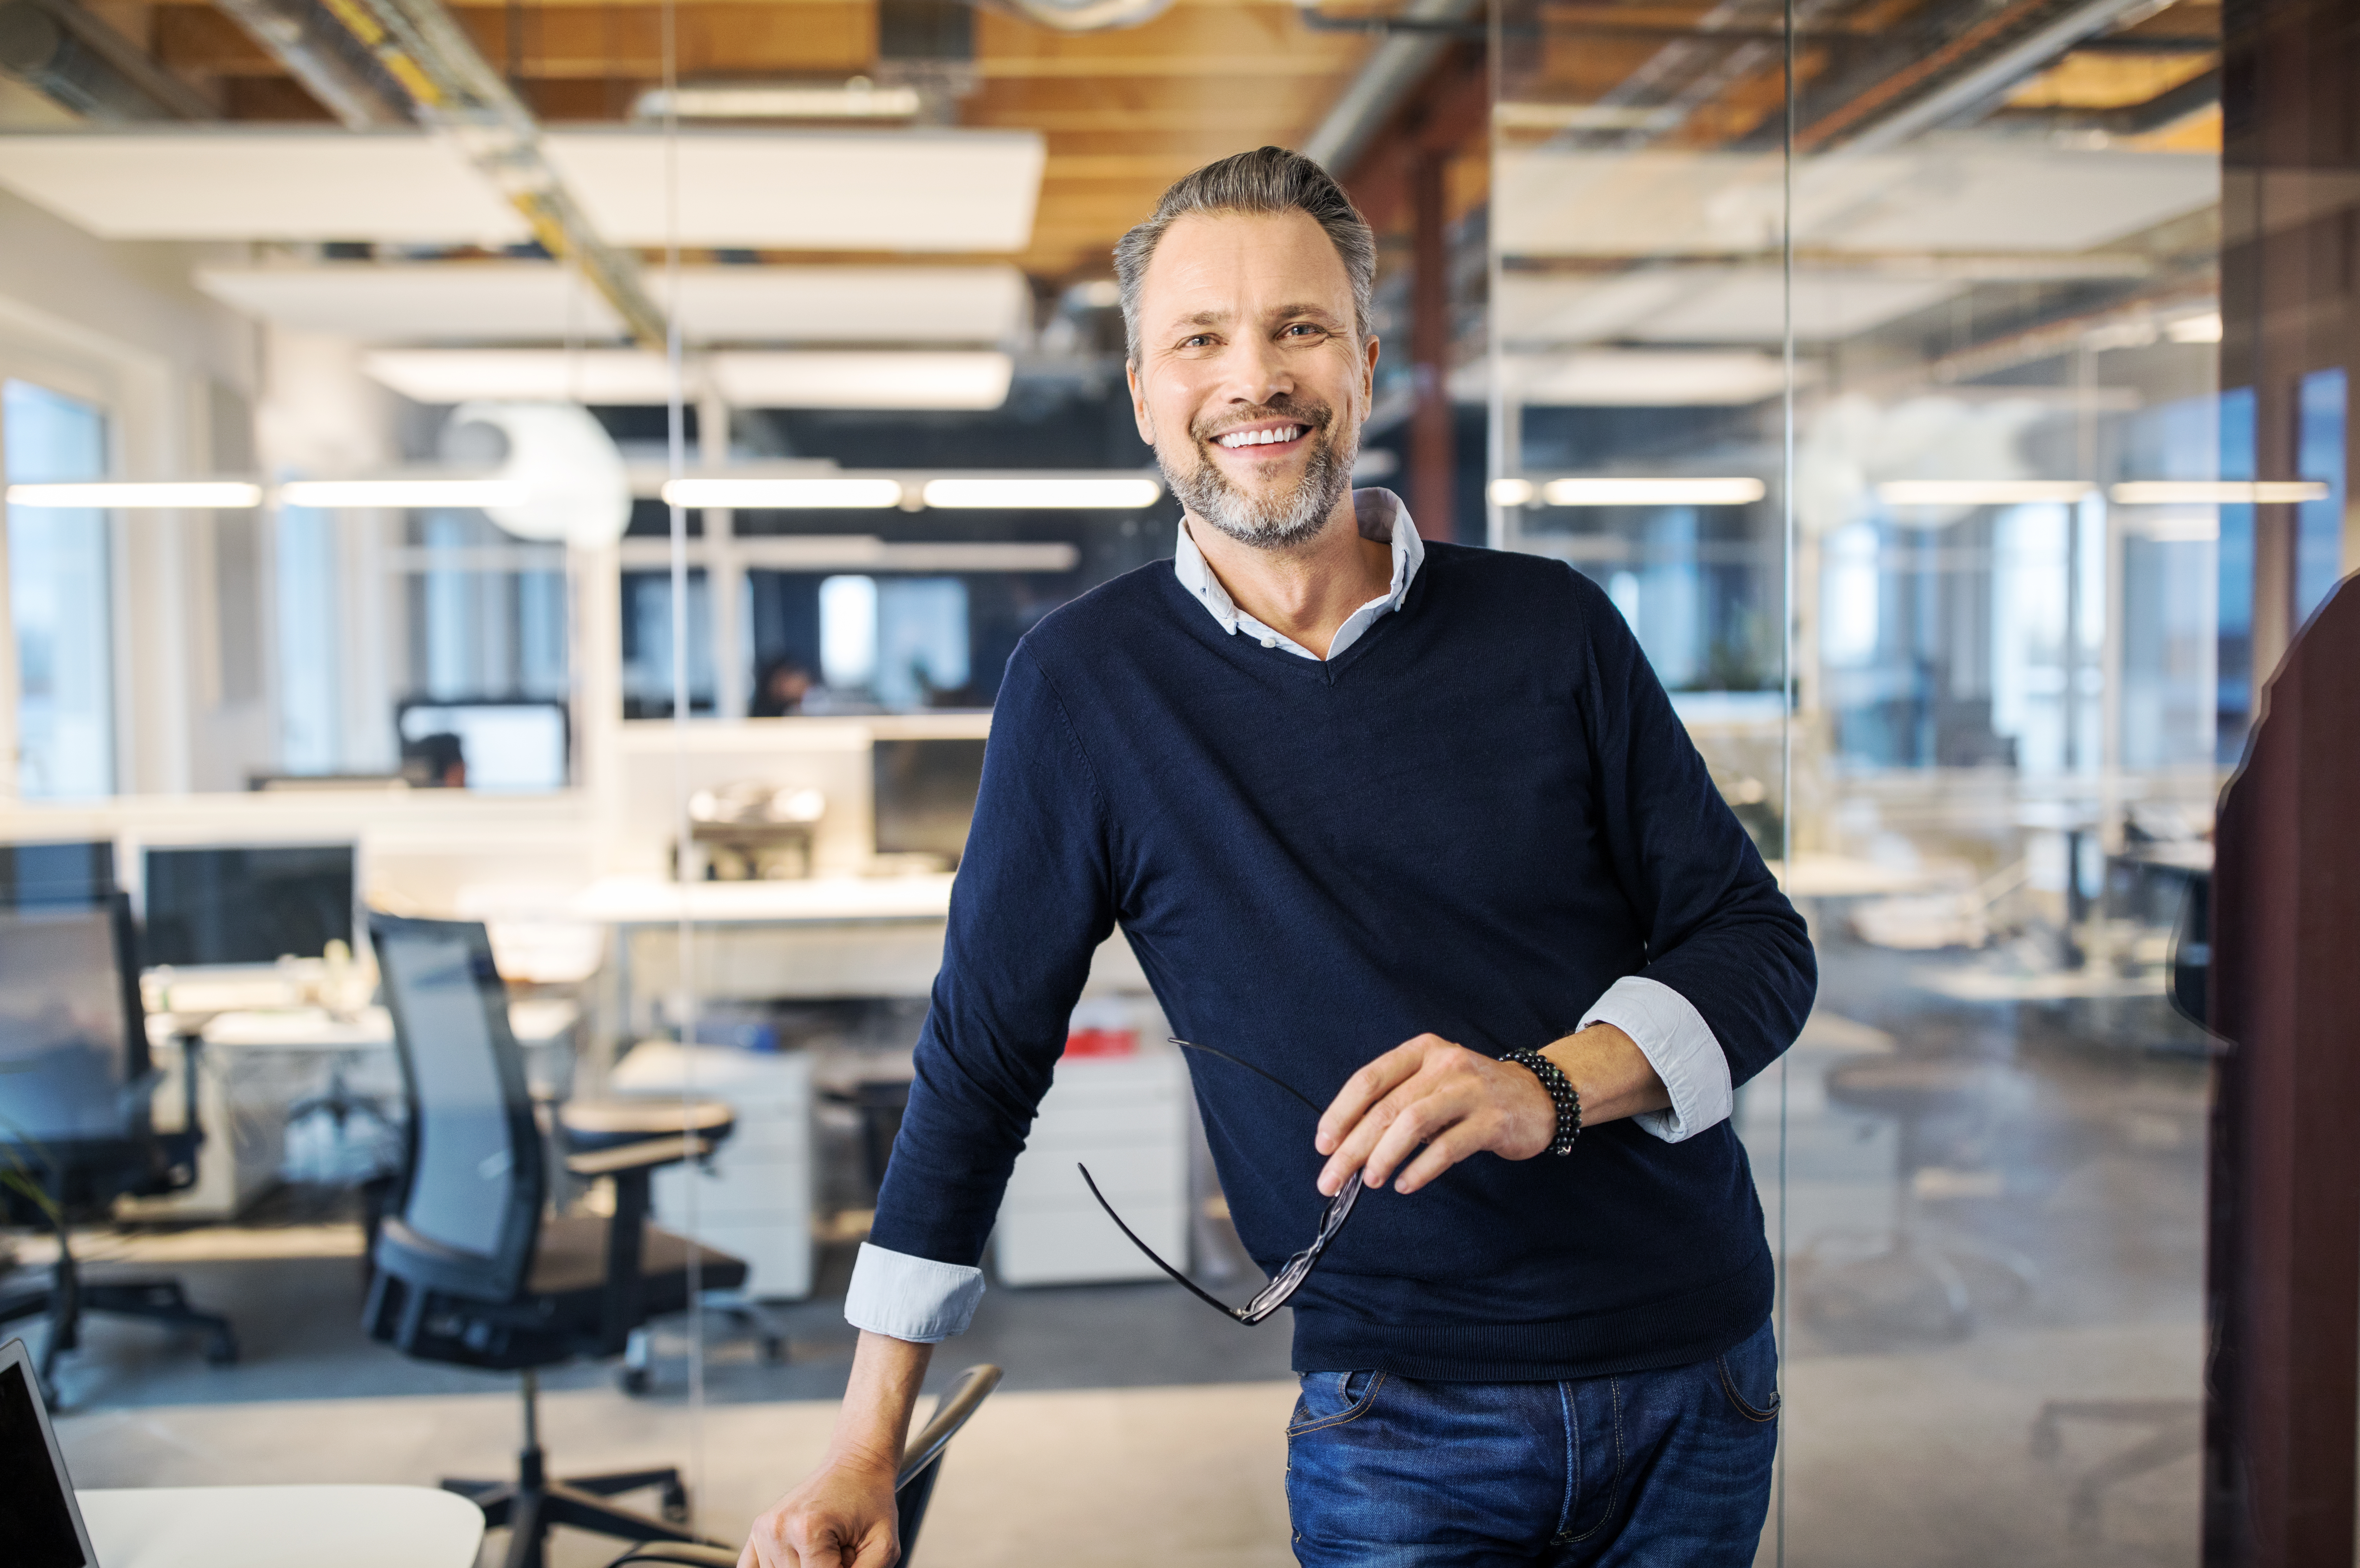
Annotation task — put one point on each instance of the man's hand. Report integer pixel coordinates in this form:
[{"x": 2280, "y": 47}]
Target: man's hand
[
  {"x": 1456, "y": 1102},
  {"x": 842, "y": 1516}
]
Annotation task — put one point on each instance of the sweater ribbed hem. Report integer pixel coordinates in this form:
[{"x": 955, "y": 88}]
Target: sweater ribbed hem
[{"x": 1678, "y": 1332}]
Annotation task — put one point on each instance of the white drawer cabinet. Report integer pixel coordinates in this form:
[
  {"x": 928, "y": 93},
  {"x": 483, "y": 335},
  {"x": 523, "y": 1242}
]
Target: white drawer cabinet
[{"x": 1126, "y": 1119}]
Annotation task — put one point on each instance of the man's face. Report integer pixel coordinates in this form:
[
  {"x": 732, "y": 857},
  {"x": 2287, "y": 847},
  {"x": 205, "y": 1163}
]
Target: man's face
[{"x": 1251, "y": 382}]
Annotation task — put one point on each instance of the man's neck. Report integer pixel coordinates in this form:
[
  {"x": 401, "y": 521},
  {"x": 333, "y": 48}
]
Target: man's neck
[{"x": 1306, "y": 592}]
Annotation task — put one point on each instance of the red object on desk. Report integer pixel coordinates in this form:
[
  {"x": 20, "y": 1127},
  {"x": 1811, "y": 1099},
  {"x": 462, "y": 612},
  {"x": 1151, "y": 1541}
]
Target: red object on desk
[{"x": 1102, "y": 1042}]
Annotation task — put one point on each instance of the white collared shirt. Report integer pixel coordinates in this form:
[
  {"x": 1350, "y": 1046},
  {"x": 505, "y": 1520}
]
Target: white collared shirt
[
  {"x": 1381, "y": 518},
  {"x": 920, "y": 1300}
]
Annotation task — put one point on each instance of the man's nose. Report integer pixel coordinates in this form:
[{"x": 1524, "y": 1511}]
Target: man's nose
[{"x": 1253, "y": 372}]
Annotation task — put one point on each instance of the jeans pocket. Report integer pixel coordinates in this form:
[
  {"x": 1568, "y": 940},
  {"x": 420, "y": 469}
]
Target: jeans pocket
[
  {"x": 1331, "y": 1399},
  {"x": 1749, "y": 1376}
]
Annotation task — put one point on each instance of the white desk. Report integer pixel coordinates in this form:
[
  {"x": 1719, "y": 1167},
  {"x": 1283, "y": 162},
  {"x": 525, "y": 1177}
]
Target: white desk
[{"x": 281, "y": 1527}]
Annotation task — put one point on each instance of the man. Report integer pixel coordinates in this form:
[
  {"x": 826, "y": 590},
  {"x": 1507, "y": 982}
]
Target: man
[{"x": 1341, "y": 791}]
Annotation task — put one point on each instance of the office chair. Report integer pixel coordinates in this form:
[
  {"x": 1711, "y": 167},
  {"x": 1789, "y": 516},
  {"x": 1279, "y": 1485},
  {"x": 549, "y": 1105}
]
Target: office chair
[
  {"x": 77, "y": 1126},
  {"x": 914, "y": 1482},
  {"x": 471, "y": 1271}
]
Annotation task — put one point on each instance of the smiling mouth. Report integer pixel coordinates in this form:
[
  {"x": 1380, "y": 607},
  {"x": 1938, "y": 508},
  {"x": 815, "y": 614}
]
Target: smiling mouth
[{"x": 1273, "y": 435}]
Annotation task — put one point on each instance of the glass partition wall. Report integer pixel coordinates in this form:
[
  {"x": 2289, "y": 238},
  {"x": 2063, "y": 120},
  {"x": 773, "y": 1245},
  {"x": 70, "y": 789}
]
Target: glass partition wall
[{"x": 1865, "y": 355}]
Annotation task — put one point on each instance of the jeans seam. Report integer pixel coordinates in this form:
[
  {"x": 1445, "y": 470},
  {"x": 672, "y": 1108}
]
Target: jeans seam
[
  {"x": 1355, "y": 1413},
  {"x": 1572, "y": 1461},
  {"x": 1615, "y": 1487},
  {"x": 1729, "y": 1388}
]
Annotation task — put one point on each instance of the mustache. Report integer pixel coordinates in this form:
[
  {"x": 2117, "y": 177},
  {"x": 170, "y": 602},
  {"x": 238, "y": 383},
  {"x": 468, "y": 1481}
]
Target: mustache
[{"x": 1317, "y": 416}]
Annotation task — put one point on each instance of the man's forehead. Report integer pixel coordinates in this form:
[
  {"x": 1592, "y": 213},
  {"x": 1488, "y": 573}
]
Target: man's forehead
[{"x": 1212, "y": 266}]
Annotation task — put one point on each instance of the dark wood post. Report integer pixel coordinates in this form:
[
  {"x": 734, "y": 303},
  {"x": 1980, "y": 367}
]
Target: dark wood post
[
  {"x": 1432, "y": 451},
  {"x": 2283, "y": 1264}
]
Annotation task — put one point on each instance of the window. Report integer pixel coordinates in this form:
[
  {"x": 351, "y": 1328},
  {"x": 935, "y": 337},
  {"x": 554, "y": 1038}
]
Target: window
[{"x": 58, "y": 600}]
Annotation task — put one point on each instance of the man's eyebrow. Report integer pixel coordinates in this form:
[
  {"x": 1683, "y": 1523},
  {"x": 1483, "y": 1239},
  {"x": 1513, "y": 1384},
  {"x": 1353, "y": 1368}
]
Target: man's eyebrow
[{"x": 1288, "y": 312}]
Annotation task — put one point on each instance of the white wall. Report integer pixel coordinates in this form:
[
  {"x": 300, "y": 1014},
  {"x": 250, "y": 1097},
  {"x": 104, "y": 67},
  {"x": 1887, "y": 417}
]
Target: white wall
[{"x": 122, "y": 323}]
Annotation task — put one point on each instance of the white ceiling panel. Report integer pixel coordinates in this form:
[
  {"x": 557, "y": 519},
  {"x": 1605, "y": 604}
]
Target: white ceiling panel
[
  {"x": 1706, "y": 304},
  {"x": 1630, "y": 378},
  {"x": 1947, "y": 197},
  {"x": 397, "y": 187},
  {"x": 1746, "y": 307},
  {"x": 923, "y": 191},
  {"x": 463, "y": 302},
  {"x": 851, "y": 304},
  {"x": 854, "y": 380},
  {"x": 884, "y": 378},
  {"x": 609, "y": 375},
  {"x": 527, "y": 301}
]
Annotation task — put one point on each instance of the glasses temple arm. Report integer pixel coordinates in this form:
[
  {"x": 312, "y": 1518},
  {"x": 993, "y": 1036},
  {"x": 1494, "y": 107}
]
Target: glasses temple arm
[
  {"x": 1241, "y": 1062},
  {"x": 1193, "y": 1289}
]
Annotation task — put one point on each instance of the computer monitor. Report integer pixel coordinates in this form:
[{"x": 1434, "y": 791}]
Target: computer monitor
[
  {"x": 71, "y": 872},
  {"x": 72, "y": 1038},
  {"x": 508, "y": 747},
  {"x": 39, "y": 1518},
  {"x": 926, "y": 793},
  {"x": 247, "y": 904}
]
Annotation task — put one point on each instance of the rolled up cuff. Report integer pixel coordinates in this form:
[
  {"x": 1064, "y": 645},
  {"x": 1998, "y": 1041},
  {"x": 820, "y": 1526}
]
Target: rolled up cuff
[{"x": 909, "y": 1297}]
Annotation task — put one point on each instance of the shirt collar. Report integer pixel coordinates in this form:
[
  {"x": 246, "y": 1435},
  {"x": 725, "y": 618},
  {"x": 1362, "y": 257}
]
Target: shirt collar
[{"x": 1381, "y": 515}]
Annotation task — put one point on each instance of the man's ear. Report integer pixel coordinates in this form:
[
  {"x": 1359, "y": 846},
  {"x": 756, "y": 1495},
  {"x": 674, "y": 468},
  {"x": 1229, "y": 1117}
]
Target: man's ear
[
  {"x": 1368, "y": 374},
  {"x": 1139, "y": 413}
]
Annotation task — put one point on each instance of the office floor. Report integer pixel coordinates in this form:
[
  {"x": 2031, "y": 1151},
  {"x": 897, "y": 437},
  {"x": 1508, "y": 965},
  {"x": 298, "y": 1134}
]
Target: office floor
[{"x": 1137, "y": 1427}]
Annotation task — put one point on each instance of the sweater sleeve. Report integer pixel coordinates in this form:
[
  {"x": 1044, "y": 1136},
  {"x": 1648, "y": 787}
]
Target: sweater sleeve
[
  {"x": 1717, "y": 928},
  {"x": 1032, "y": 901}
]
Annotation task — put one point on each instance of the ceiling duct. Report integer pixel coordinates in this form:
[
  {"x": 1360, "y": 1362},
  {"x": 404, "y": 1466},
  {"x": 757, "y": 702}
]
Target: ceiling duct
[
  {"x": 324, "y": 56},
  {"x": 1393, "y": 68},
  {"x": 78, "y": 61}
]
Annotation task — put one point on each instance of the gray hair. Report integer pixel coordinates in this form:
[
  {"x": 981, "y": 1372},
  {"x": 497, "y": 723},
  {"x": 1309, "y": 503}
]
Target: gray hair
[{"x": 1268, "y": 180}]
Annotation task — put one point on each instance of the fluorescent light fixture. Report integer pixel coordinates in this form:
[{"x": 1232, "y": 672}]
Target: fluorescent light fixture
[
  {"x": 858, "y": 99},
  {"x": 882, "y": 378},
  {"x": 784, "y": 494},
  {"x": 1096, "y": 493},
  {"x": 598, "y": 375},
  {"x": 334, "y": 493},
  {"x": 220, "y": 495},
  {"x": 2217, "y": 492},
  {"x": 1512, "y": 491},
  {"x": 1613, "y": 492},
  {"x": 1980, "y": 491},
  {"x": 2203, "y": 329}
]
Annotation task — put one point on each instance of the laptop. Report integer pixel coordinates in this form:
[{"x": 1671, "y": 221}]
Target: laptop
[{"x": 38, "y": 1515}]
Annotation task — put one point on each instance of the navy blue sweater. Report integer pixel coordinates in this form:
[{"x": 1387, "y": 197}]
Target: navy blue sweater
[{"x": 1472, "y": 821}]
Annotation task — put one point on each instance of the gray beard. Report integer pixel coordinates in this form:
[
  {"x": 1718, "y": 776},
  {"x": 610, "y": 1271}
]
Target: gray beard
[{"x": 1266, "y": 523}]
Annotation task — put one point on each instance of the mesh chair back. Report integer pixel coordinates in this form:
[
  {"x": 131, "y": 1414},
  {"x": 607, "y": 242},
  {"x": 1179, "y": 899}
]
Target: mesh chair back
[
  {"x": 73, "y": 1040},
  {"x": 475, "y": 1179}
]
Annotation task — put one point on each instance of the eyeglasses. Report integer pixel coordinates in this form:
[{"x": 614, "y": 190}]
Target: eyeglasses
[{"x": 1297, "y": 1268}]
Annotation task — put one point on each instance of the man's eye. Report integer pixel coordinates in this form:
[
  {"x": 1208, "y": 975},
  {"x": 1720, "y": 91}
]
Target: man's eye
[{"x": 1199, "y": 341}]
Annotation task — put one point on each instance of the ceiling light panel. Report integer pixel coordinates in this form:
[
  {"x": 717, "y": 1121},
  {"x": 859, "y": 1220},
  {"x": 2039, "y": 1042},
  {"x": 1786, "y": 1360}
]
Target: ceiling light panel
[
  {"x": 518, "y": 301},
  {"x": 221, "y": 495},
  {"x": 440, "y": 376},
  {"x": 1634, "y": 378},
  {"x": 1664, "y": 203},
  {"x": 930, "y": 191},
  {"x": 2218, "y": 492},
  {"x": 466, "y": 301},
  {"x": 884, "y": 379},
  {"x": 259, "y": 185},
  {"x": 1109, "y": 493}
]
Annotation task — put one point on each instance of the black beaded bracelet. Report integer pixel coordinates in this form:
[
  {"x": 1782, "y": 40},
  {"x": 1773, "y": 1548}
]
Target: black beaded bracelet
[{"x": 1561, "y": 1094}]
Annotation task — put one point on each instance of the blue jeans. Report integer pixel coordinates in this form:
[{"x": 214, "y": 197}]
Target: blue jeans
[{"x": 1652, "y": 1469}]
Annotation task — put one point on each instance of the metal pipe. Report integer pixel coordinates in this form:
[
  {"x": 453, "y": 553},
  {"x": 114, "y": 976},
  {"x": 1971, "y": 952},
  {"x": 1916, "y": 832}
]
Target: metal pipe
[
  {"x": 78, "y": 61},
  {"x": 326, "y": 59},
  {"x": 1393, "y": 68},
  {"x": 458, "y": 95}
]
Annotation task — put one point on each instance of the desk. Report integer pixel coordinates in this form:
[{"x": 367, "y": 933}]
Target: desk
[
  {"x": 257, "y": 1063},
  {"x": 281, "y": 1527}
]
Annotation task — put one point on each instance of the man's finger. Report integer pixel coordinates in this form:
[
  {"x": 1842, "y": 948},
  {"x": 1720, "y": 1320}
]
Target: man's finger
[
  {"x": 1425, "y": 1118},
  {"x": 1439, "y": 1156},
  {"x": 1364, "y": 1089},
  {"x": 1361, "y": 1142},
  {"x": 879, "y": 1551}
]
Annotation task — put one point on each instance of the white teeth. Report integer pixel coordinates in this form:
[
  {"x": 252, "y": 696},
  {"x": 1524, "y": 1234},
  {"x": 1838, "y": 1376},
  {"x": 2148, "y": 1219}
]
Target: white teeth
[{"x": 1261, "y": 438}]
